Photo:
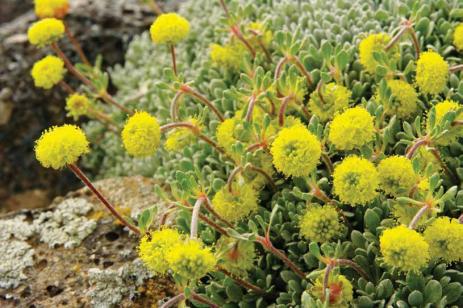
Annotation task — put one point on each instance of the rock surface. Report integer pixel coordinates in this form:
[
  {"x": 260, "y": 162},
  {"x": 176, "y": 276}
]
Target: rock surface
[{"x": 73, "y": 253}]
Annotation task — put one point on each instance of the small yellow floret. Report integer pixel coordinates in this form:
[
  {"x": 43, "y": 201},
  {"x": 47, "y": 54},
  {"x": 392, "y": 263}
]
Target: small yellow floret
[
  {"x": 432, "y": 72},
  {"x": 154, "y": 248},
  {"x": 141, "y": 134},
  {"x": 48, "y": 72},
  {"x": 169, "y": 29},
  {"x": 404, "y": 102},
  {"x": 235, "y": 206},
  {"x": 178, "y": 139},
  {"x": 321, "y": 224},
  {"x": 77, "y": 105},
  {"x": 51, "y": 8},
  {"x": 444, "y": 237},
  {"x": 335, "y": 99},
  {"x": 404, "y": 249},
  {"x": 60, "y": 146},
  {"x": 190, "y": 260},
  {"x": 458, "y": 37},
  {"x": 454, "y": 132},
  {"x": 375, "y": 43},
  {"x": 355, "y": 180},
  {"x": 396, "y": 175},
  {"x": 352, "y": 129},
  {"x": 228, "y": 56},
  {"x": 296, "y": 151},
  {"x": 45, "y": 31}
]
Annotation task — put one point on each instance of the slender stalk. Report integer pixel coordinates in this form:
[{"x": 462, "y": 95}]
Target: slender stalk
[
  {"x": 326, "y": 278},
  {"x": 281, "y": 114},
  {"x": 327, "y": 161},
  {"x": 236, "y": 31},
  {"x": 155, "y": 7},
  {"x": 279, "y": 67},
  {"x": 209, "y": 207},
  {"x": 250, "y": 110},
  {"x": 203, "y": 300},
  {"x": 232, "y": 176},
  {"x": 319, "y": 92},
  {"x": 415, "y": 42},
  {"x": 353, "y": 265},
  {"x": 444, "y": 166},
  {"x": 194, "y": 217},
  {"x": 255, "y": 146},
  {"x": 296, "y": 61},
  {"x": 66, "y": 87},
  {"x": 188, "y": 90},
  {"x": 418, "y": 215},
  {"x": 174, "y": 300},
  {"x": 214, "y": 225},
  {"x": 416, "y": 145},
  {"x": 225, "y": 8},
  {"x": 246, "y": 285},
  {"x": 456, "y": 68},
  {"x": 264, "y": 173},
  {"x": 74, "y": 168},
  {"x": 174, "y": 105},
  {"x": 261, "y": 45},
  {"x": 395, "y": 39},
  {"x": 110, "y": 100},
  {"x": 174, "y": 59},
  {"x": 76, "y": 45}
]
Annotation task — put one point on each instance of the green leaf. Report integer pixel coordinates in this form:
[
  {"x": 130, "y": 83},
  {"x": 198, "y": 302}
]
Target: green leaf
[
  {"x": 372, "y": 220},
  {"x": 415, "y": 298},
  {"x": 234, "y": 292},
  {"x": 432, "y": 291}
]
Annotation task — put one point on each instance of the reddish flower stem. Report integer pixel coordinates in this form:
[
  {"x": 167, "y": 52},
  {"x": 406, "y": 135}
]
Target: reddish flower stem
[
  {"x": 225, "y": 8},
  {"x": 232, "y": 176},
  {"x": 174, "y": 105},
  {"x": 416, "y": 145},
  {"x": 326, "y": 278},
  {"x": 174, "y": 59},
  {"x": 319, "y": 92},
  {"x": 76, "y": 45},
  {"x": 418, "y": 215},
  {"x": 281, "y": 114},
  {"x": 174, "y": 300},
  {"x": 236, "y": 31},
  {"x": 456, "y": 68},
  {"x": 188, "y": 90},
  {"x": 265, "y": 174},
  {"x": 355, "y": 266},
  {"x": 66, "y": 87},
  {"x": 203, "y": 300},
  {"x": 250, "y": 110},
  {"x": 74, "y": 168},
  {"x": 246, "y": 285},
  {"x": 327, "y": 161},
  {"x": 211, "y": 210},
  {"x": 296, "y": 61},
  {"x": 194, "y": 217}
]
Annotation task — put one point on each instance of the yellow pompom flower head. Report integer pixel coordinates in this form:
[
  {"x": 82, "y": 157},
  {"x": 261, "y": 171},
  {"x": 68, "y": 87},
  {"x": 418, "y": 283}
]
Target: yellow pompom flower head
[
  {"x": 141, "y": 134},
  {"x": 321, "y": 224},
  {"x": 48, "y": 72},
  {"x": 296, "y": 151},
  {"x": 404, "y": 102},
  {"x": 404, "y": 249},
  {"x": 228, "y": 56},
  {"x": 45, "y": 32},
  {"x": 355, "y": 180},
  {"x": 51, "y": 8},
  {"x": 458, "y": 37},
  {"x": 169, "y": 29},
  {"x": 329, "y": 100},
  {"x": 352, "y": 129},
  {"x": 233, "y": 205},
  {"x": 454, "y": 131},
  {"x": 77, "y": 105},
  {"x": 396, "y": 175},
  {"x": 60, "y": 146},
  {"x": 432, "y": 73},
  {"x": 444, "y": 237},
  {"x": 375, "y": 43}
]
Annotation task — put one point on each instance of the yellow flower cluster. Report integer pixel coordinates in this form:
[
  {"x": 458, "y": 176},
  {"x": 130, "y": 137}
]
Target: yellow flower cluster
[
  {"x": 47, "y": 72},
  {"x": 191, "y": 260},
  {"x": 321, "y": 224},
  {"x": 352, "y": 129},
  {"x": 458, "y": 37},
  {"x": 444, "y": 237},
  {"x": 141, "y": 134},
  {"x": 236, "y": 256},
  {"x": 51, "y": 8},
  {"x": 228, "y": 56},
  {"x": 77, "y": 105},
  {"x": 169, "y": 29},
  {"x": 336, "y": 99},
  {"x": 178, "y": 139},
  {"x": 432, "y": 72},
  {"x": 154, "y": 248},
  {"x": 263, "y": 34},
  {"x": 355, "y": 180},
  {"x": 59, "y": 146},
  {"x": 454, "y": 132},
  {"x": 45, "y": 31},
  {"x": 341, "y": 291},
  {"x": 405, "y": 99},
  {"x": 404, "y": 249},
  {"x": 375, "y": 43},
  {"x": 396, "y": 175},
  {"x": 295, "y": 151},
  {"x": 234, "y": 207}
]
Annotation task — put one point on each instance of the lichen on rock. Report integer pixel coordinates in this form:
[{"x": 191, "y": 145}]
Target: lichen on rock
[{"x": 16, "y": 256}]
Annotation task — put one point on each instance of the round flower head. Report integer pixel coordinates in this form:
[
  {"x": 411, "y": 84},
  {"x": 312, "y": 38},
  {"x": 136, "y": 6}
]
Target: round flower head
[
  {"x": 396, "y": 175},
  {"x": 77, "y": 105},
  {"x": 169, "y": 29},
  {"x": 60, "y": 146},
  {"x": 444, "y": 237},
  {"x": 321, "y": 224},
  {"x": 141, "y": 134},
  {"x": 51, "y": 8},
  {"x": 228, "y": 56},
  {"x": 454, "y": 132},
  {"x": 375, "y": 43},
  {"x": 190, "y": 260},
  {"x": 296, "y": 151},
  {"x": 458, "y": 37},
  {"x": 153, "y": 249},
  {"x": 45, "y": 31},
  {"x": 355, "y": 180},
  {"x": 341, "y": 291},
  {"x": 335, "y": 99},
  {"x": 178, "y": 139},
  {"x": 432, "y": 72},
  {"x": 404, "y": 102},
  {"x": 236, "y": 256},
  {"x": 235, "y": 206},
  {"x": 404, "y": 249},
  {"x": 352, "y": 129},
  {"x": 48, "y": 72}
]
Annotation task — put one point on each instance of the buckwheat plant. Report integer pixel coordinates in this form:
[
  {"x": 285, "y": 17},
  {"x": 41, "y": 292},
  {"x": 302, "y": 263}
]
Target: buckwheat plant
[{"x": 308, "y": 152}]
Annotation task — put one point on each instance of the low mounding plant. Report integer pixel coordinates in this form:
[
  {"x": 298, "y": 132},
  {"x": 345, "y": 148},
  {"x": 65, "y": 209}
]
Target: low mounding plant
[{"x": 323, "y": 173}]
